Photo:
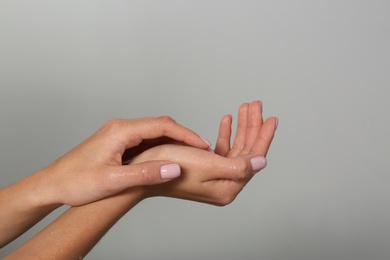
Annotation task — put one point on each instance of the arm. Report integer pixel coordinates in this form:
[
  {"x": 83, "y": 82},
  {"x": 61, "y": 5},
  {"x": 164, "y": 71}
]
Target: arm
[
  {"x": 91, "y": 171},
  {"x": 75, "y": 232},
  {"x": 206, "y": 177}
]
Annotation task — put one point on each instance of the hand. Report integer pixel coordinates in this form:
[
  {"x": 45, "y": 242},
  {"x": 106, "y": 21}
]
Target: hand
[
  {"x": 94, "y": 169},
  {"x": 214, "y": 178},
  {"x": 217, "y": 178}
]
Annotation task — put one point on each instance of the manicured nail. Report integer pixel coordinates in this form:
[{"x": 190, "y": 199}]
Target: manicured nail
[
  {"x": 206, "y": 141},
  {"x": 170, "y": 171},
  {"x": 276, "y": 123},
  {"x": 258, "y": 163}
]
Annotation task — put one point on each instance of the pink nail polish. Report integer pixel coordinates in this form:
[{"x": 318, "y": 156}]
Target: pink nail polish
[
  {"x": 206, "y": 141},
  {"x": 170, "y": 171},
  {"x": 258, "y": 163}
]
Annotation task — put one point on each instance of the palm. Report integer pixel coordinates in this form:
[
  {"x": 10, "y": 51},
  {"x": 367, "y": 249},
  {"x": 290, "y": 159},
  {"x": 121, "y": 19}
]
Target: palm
[{"x": 216, "y": 178}]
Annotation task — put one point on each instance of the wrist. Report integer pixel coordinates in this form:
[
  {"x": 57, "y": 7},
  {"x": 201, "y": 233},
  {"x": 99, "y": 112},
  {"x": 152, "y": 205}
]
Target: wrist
[
  {"x": 25, "y": 207},
  {"x": 160, "y": 190},
  {"x": 135, "y": 194},
  {"x": 39, "y": 192}
]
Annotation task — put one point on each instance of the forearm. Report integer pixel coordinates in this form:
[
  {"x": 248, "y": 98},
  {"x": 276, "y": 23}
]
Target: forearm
[
  {"x": 76, "y": 232},
  {"x": 23, "y": 205}
]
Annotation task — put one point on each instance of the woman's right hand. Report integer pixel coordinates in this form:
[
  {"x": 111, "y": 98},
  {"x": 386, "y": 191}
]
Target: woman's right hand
[
  {"x": 214, "y": 178},
  {"x": 217, "y": 178}
]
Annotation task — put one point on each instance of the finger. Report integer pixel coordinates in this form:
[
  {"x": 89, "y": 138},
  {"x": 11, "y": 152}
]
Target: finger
[
  {"x": 265, "y": 137},
  {"x": 239, "y": 140},
  {"x": 222, "y": 146},
  {"x": 255, "y": 121},
  {"x": 139, "y": 174},
  {"x": 241, "y": 168},
  {"x": 132, "y": 131}
]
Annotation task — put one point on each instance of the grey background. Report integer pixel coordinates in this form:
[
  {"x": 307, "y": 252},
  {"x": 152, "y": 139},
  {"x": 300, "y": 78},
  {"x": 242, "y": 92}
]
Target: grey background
[{"x": 322, "y": 67}]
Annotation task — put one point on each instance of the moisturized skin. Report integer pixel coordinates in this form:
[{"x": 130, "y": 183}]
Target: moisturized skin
[
  {"x": 217, "y": 178},
  {"x": 214, "y": 178},
  {"x": 91, "y": 171}
]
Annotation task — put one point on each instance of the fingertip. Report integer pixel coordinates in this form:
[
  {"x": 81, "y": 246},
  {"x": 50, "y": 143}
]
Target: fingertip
[
  {"x": 226, "y": 122},
  {"x": 227, "y": 118},
  {"x": 258, "y": 163},
  {"x": 170, "y": 171},
  {"x": 258, "y": 102},
  {"x": 271, "y": 122},
  {"x": 206, "y": 141},
  {"x": 243, "y": 106}
]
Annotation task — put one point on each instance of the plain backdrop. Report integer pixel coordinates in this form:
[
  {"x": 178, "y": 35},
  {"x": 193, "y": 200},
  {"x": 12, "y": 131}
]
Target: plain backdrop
[{"x": 322, "y": 67}]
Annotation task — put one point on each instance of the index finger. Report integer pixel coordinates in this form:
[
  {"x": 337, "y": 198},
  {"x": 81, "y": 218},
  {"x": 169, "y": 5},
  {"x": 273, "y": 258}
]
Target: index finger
[{"x": 133, "y": 131}]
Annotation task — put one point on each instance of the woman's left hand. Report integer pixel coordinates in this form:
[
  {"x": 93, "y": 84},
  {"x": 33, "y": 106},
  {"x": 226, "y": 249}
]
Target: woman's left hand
[{"x": 217, "y": 178}]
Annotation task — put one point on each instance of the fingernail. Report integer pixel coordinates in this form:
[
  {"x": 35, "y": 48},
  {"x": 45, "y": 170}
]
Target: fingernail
[
  {"x": 206, "y": 141},
  {"x": 258, "y": 163},
  {"x": 276, "y": 123},
  {"x": 170, "y": 171}
]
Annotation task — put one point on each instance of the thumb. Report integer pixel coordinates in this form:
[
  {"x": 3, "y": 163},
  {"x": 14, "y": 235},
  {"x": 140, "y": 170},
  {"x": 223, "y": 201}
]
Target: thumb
[
  {"x": 148, "y": 173},
  {"x": 238, "y": 168},
  {"x": 258, "y": 163}
]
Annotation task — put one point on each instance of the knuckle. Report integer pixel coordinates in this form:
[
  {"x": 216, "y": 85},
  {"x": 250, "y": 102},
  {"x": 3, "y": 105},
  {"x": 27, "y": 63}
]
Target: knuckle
[
  {"x": 116, "y": 179},
  {"x": 242, "y": 168},
  {"x": 146, "y": 175},
  {"x": 113, "y": 124},
  {"x": 239, "y": 169},
  {"x": 166, "y": 120}
]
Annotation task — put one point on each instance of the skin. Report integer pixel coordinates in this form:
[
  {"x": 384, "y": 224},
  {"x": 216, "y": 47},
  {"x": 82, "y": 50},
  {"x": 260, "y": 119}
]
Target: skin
[
  {"x": 91, "y": 171},
  {"x": 217, "y": 178},
  {"x": 214, "y": 178}
]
